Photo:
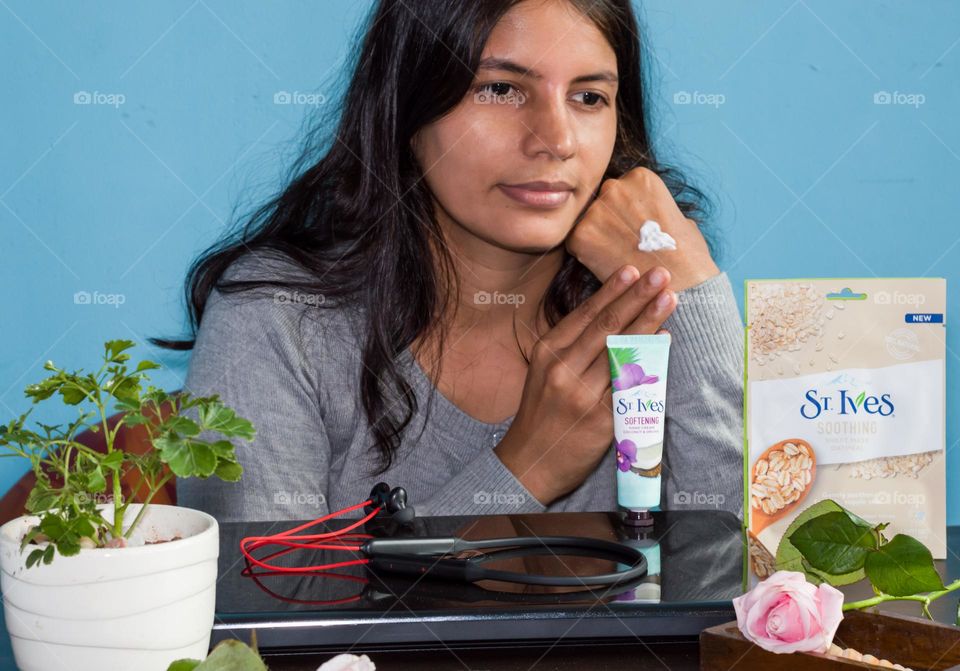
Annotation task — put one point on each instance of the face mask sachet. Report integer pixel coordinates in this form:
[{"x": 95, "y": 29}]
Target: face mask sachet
[{"x": 844, "y": 400}]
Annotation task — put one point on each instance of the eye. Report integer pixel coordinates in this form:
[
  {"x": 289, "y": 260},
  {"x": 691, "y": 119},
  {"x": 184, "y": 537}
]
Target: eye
[
  {"x": 497, "y": 88},
  {"x": 596, "y": 97}
]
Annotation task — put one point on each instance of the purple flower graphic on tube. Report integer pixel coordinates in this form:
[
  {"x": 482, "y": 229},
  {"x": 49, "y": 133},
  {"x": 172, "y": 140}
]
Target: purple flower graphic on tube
[
  {"x": 626, "y": 453},
  {"x": 632, "y": 375}
]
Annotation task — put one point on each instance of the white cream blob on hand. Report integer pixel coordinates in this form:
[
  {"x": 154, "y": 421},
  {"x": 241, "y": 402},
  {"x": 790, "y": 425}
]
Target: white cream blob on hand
[{"x": 653, "y": 239}]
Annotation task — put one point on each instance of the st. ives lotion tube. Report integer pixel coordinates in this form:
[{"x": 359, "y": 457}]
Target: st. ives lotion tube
[{"x": 638, "y": 373}]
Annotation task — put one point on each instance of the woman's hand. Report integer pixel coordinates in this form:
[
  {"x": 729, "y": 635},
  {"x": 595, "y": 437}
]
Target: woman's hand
[
  {"x": 564, "y": 424},
  {"x": 606, "y": 236}
]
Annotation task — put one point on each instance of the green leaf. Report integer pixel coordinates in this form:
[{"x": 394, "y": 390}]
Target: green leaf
[
  {"x": 219, "y": 417},
  {"x": 43, "y": 390},
  {"x": 132, "y": 406},
  {"x": 903, "y": 567},
  {"x": 228, "y": 655},
  {"x": 229, "y": 471},
  {"x": 834, "y": 543},
  {"x": 134, "y": 419},
  {"x": 34, "y": 557},
  {"x": 127, "y": 390},
  {"x": 789, "y": 557},
  {"x": 183, "y": 426},
  {"x": 112, "y": 461},
  {"x": 224, "y": 449},
  {"x": 184, "y": 665},
  {"x": 96, "y": 481},
  {"x": 72, "y": 394},
  {"x": 114, "y": 348},
  {"x": 146, "y": 365},
  {"x": 157, "y": 395},
  {"x": 859, "y": 400},
  {"x": 187, "y": 458},
  {"x": 39, "y": 500}
]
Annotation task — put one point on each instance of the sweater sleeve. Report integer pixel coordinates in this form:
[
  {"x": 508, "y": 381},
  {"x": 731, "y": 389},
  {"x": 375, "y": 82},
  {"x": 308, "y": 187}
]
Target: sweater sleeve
[
  {"x": 703, "y": 460},
  {"x": 249, "y": 351},
  {"x": 484, "y": 487}
]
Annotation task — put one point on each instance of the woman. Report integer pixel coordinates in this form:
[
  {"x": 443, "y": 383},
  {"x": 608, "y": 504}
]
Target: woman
[{"x": 427, "y": 303}]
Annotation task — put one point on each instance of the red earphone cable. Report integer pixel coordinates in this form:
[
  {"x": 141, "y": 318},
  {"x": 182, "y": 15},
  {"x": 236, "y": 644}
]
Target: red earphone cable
[{"x": 288, "y": 540}]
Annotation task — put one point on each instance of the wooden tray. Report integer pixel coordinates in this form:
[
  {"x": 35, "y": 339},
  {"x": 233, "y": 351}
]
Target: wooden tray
[{"x": 911, "y": 641}]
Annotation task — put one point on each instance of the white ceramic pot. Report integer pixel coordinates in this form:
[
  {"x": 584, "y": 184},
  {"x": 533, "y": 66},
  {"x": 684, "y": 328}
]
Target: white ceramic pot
[{"x": 128, "y": 608}]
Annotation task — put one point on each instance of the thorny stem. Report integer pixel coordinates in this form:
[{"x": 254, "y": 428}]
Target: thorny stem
[{"x": 924, "y": 599}]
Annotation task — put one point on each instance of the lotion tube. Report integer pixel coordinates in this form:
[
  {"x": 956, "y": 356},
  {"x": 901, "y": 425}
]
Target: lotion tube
[{"x": 638, "y": 373}]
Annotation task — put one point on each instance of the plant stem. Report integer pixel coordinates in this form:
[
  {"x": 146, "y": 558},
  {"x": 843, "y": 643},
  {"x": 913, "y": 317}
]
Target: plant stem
[
  {"x": 146, "y": 502},
  {"x": 924, "y": 599},
  {"x": 117, "y": 493}
]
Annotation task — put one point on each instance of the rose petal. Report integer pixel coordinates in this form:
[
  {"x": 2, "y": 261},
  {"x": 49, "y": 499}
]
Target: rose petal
[{"x": 785, "y": 613}]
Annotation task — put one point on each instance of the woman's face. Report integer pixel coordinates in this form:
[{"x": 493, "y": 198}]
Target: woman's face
[{"x": 554, "y": 120}]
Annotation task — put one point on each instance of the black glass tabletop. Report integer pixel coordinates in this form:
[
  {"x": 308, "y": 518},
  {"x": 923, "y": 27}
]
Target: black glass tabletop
[{"x": 695, "y": 566}]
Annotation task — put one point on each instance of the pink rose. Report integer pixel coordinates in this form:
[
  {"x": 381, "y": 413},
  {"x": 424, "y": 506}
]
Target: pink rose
[{"x": 785, "y": 613}]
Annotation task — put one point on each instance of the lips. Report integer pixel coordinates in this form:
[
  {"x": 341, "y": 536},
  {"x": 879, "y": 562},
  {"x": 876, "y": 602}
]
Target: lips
[{"x": 538, "y": 194}]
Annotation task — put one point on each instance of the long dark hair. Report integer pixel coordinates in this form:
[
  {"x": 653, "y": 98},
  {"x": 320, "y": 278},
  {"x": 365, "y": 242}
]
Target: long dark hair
[{"x": 357, "y": 215}]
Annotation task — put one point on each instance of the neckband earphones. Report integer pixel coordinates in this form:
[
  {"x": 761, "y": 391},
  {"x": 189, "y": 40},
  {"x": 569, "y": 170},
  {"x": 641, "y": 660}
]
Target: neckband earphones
[{"x": 426, "y": 555}]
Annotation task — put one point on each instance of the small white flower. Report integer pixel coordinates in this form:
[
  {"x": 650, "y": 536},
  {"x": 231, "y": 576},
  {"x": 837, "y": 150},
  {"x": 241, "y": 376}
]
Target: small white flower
[{"x": 348, "y": 662}]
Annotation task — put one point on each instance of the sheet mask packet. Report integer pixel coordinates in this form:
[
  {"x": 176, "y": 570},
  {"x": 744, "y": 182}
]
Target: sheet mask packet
[{"x": 844, "y": 399}]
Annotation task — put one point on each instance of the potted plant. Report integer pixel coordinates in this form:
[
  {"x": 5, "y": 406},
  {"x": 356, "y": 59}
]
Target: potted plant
[{"x": 93, "y": 581}]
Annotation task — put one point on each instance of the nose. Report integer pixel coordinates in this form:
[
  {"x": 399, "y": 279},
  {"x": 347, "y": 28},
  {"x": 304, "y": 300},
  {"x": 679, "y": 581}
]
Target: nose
[{"x": 550, "y": 129}]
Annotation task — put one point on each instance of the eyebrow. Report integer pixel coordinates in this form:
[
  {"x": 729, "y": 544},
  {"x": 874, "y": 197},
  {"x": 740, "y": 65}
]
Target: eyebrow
[{"x": 491, "y": 63}]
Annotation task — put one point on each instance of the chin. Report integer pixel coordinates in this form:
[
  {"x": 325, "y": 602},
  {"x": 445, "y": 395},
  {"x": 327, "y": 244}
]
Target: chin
[{"x": 534, "y": 241}]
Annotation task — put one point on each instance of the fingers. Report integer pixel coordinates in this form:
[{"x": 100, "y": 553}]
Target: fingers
[
  {"x": 650, "y": 320},
  {"x": 640, "y": 309},
  {"x": 597, "y": 376},
  {"x": 564, "y": 333}
]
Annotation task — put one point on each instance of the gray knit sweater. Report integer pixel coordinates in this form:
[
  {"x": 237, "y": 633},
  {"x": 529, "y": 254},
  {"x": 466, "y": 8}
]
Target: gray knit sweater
[{"x": 293, "y": 369}]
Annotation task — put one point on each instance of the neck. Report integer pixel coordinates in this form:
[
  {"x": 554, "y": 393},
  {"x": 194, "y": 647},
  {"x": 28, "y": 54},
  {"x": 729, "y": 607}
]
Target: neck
[{"x": 500, "y": 290}]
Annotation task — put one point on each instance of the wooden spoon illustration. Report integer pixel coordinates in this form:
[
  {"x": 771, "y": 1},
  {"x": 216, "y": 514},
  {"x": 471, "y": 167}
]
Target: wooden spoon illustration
[{"x": 779, "y": 480}]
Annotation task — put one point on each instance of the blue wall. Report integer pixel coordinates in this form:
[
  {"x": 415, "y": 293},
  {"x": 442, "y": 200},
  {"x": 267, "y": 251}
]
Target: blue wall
[{"x": 811, "y": 176}]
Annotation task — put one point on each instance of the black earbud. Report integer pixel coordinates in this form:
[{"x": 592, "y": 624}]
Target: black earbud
[
  {"x": 378, "y": 497},
  {"x": 393, "y": 501}
]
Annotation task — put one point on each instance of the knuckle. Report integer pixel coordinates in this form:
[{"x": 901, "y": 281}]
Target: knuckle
[
  {"x": 610, "y": 185},
  {"x": 588, "y": 311},
  {"x": 608, "y": 320},
  {"x": 648, "y": 175},
  {"x": 542, "y": 352},
  {"x": 581, "y": 402},
  {"x": 556, "y": 377}
]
